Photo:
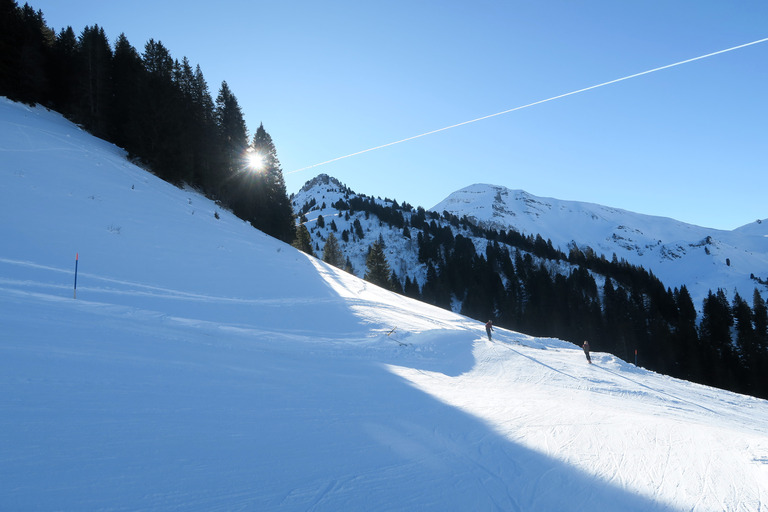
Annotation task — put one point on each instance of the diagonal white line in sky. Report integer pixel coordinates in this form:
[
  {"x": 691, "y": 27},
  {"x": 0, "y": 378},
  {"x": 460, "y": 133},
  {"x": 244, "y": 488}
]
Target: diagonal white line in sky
[{"x": 533, "y": 104}]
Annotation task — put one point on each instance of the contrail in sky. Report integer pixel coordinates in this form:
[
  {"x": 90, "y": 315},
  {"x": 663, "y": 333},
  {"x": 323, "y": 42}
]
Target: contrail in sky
[{"x": 532, "y": 104}]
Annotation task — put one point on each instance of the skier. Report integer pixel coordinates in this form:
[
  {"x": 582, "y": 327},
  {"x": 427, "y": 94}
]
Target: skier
[
  {"x": 585, "y": 346},
  {"x": 488, "y": 329}
]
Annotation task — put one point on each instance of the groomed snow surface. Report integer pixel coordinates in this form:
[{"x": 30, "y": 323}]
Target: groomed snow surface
[{"x": 205, "y": 366}]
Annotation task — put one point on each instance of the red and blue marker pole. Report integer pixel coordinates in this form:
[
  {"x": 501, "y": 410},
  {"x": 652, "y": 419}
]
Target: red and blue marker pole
[{"x": 77, "y": 257}]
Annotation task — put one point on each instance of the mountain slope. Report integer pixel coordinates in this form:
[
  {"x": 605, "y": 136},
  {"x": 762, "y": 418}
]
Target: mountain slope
[
  {"x": 206, "y": 366},
  {"x": 317, "y": 198},
  {"x": 678, "y": 253}
]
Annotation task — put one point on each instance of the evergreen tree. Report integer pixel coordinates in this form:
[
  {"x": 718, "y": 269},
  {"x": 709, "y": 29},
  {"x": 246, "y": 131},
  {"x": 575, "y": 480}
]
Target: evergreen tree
[
  {"x": 688, "y": 351},
  {"x": 583, "y": 319},
  {"x": 274, "y": 214},
  {"x": 25, "y": 48},
  {"x": 62, "y": 77},
  {"x": 94, "y": 87},
  {"x": 748, "y": 352},
  {"x": 232, "y": 130},
  {"x": 541, "y": 315},
  {"x": 429, "y": 247},
  {"x": 411, "y": 288},
  {"x": 358, "y": 228},
  {"x": 128, "y": 111},
  {"x": 348, "y": 266},
  {"x": 234, "y": 189},
  {"x": 619, "y": 338},
  {"x": 332, "y": 252},
  {"x": 434, "y": 290},
  {"x": 11, "y": 40},
  {"x": 303, "y": 240},
  {"x": 760, "y": 363},
  {"x": 397, "y": 287},
  {"x": 162, "y": 129},
  {"x": 484, "y": 291},
  {"x": 511, "y": 307},
  {"x": 745, "y": 332},
  {"x": 185, "y": 139},
  {"x": 203, "y": 135},
  {"x": 377, "y": 268},
  {"x": 760, "y": 312},
  {"x": 715, "y": 335}
]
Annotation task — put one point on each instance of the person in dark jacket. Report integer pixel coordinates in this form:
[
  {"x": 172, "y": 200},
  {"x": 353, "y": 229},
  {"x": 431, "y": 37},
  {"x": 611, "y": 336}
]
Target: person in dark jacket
[
  {"x": 488, "y": 329},
  {"x": 585, "y": 346}
]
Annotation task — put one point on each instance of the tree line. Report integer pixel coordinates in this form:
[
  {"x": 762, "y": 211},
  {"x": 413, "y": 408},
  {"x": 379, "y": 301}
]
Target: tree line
[{"x": 157, "y": 108}]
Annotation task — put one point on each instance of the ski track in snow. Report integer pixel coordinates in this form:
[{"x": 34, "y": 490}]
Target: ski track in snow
[{"x": 626, "y": 463}]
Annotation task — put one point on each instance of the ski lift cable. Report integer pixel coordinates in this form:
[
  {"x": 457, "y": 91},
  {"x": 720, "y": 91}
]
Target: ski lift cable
[{"x": 628, "y": 77}]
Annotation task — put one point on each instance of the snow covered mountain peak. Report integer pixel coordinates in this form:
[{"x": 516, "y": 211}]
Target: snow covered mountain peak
[
  {"x": 492, "y": 205},
  {"x": 678, "y": 253},
  {"x": 498, "y": 207},
  {"x": 324, "y": 182}
]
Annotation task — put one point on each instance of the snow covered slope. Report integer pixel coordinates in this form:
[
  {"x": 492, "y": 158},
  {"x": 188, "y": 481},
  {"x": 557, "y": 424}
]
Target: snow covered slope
[
  {"x": 205, "y": 366},
  {"x": 677, "y": 253}
]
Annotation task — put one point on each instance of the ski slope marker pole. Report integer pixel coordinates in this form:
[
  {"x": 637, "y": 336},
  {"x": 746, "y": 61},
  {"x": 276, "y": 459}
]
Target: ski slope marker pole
[{"x": 77, "y": 257}]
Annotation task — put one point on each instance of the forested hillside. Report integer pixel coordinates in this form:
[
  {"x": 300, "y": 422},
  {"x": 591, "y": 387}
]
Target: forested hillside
[{"x": 156, "y": 107}]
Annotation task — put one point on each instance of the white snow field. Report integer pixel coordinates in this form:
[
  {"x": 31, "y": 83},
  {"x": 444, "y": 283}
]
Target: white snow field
[{"x": 205, "y": 366}]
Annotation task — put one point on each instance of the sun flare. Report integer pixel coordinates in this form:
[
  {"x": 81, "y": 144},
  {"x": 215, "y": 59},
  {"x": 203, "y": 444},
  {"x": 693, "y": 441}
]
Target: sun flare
[{"x": 254, "y": 160}]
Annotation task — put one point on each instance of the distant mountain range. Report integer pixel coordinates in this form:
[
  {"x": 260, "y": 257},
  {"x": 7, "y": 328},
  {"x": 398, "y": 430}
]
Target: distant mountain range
[{"x": 677, "y": 253}]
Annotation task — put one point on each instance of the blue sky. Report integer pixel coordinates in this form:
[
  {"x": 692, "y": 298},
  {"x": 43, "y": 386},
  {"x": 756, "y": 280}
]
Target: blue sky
[{"x": 332, "y": 78}]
